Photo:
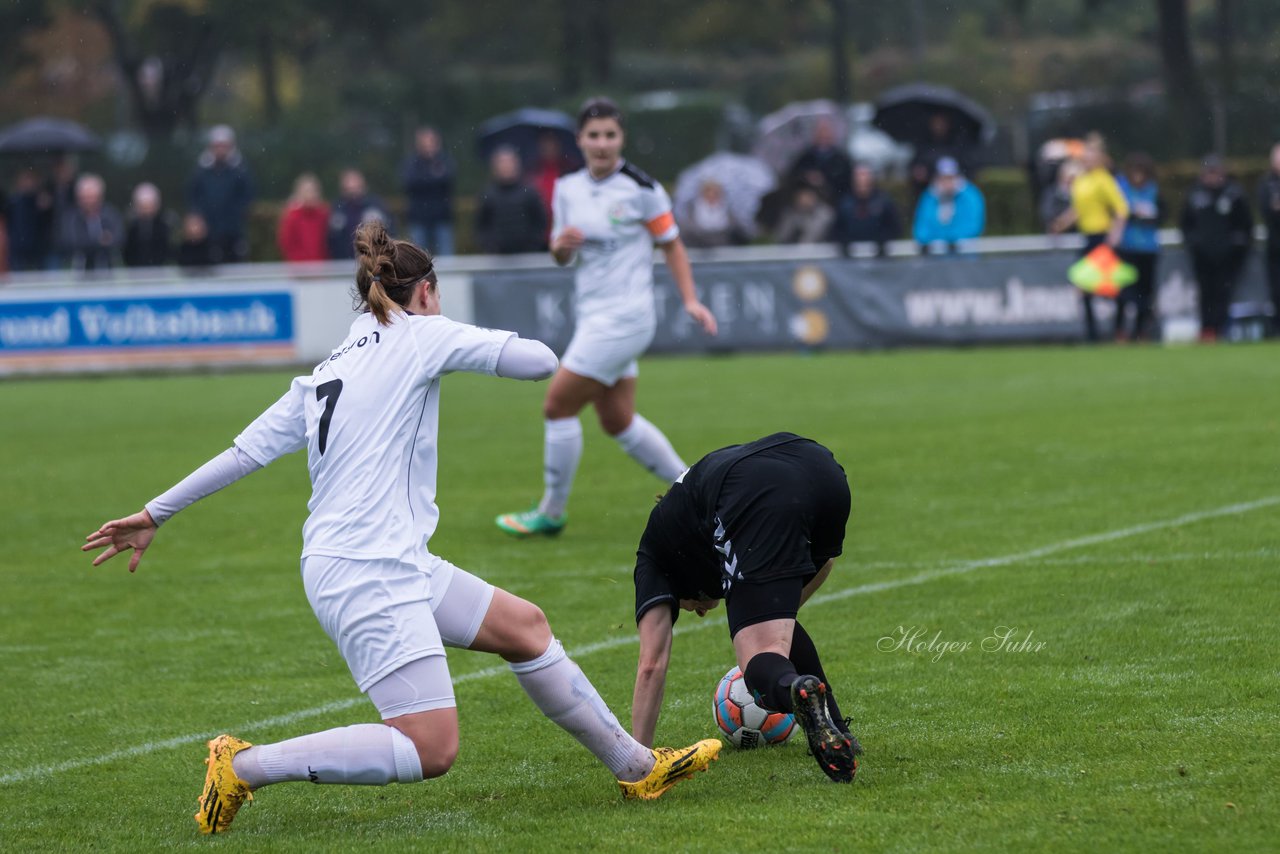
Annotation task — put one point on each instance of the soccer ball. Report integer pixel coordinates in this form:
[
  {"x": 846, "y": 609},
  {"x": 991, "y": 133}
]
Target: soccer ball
[{"x": 742, "y": 720}]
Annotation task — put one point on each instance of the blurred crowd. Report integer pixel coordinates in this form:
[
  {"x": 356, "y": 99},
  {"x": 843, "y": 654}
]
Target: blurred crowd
[
  {"x": 1123, "y": 209},
  {"x": 60, "y": 219}
]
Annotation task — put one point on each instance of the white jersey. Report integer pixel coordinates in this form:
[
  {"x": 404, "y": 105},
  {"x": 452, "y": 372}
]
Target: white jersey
[
  {"x": 621, "y": 216},
  {"x": 368, "y": 418}
]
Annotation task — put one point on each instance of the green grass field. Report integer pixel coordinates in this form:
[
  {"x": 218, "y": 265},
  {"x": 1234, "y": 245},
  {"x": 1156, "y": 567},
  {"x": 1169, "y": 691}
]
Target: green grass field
[{"x": 1118, "y": 505}]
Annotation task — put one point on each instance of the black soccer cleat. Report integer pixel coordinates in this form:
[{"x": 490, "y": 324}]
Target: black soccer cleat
[{"x": 836, "y": 751}]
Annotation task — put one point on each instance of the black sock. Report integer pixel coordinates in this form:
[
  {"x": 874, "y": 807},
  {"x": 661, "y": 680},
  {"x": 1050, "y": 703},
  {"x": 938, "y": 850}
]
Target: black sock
[
  {"x": 804, "y": 657},
  {"x": 769, "y": 677}
]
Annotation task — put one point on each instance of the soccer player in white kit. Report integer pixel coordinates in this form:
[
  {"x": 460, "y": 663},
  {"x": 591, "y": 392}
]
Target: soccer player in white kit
[
  {"x": 606, "y": 217},
  {"x": 367, "y": 417}
]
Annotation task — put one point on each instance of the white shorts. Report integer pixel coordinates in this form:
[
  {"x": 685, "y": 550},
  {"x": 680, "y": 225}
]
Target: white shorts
[
  {"x": 605, "y": 352},
  {"x": 391, "y": 621},
  {"x": 377, "y": 612},
  {"x": 459, "y": 601}
]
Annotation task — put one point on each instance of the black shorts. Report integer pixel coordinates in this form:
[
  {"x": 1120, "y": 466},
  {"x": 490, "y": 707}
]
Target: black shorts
[
  {"x": 749, "y": 604},
  {"x": 781, "y": 513}
]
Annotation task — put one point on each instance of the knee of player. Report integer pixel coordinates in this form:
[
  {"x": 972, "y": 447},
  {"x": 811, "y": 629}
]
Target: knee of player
[
  {"x": 535, "y": 630},
  {"x": 614, "y": 423},
  {"x": 527, "y": 633},
  {"x": 437, "y": 757}
]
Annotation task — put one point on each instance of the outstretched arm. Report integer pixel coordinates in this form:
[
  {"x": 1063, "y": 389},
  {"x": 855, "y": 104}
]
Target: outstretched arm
[
  {"x": 526, "y": 359},
  {"x": 651, "y": 672},
  {"x": 136, "y": 532}
]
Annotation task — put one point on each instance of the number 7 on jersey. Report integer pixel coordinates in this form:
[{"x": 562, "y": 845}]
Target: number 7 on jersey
[{"x": 329, "y": 393}]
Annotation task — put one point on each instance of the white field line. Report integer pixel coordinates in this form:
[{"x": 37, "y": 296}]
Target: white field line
[{"x": 41, "y": 771}]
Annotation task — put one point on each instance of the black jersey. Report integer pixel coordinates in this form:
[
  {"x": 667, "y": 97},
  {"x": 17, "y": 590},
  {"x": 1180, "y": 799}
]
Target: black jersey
[{"x": 769, "y": 509}]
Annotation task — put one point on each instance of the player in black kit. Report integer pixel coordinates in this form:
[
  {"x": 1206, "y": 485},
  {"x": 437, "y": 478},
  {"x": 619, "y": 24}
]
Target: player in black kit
[{"x": 758, "y": 525}]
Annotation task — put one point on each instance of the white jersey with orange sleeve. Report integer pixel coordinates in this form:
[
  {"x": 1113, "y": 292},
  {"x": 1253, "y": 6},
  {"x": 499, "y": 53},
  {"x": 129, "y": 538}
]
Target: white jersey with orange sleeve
[
  {"x": 621, "y": 217},
  {"x": 368, "y": 417}
]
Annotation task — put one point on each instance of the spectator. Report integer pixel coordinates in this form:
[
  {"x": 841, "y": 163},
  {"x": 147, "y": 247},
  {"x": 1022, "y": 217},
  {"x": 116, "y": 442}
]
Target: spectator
[
  {"x": 1139, "y": 246},
  {"x": 57, "y": 203},
  {"x": 1217, "y": 228},
  {"x": 92, "y": 231},
  {"x": 427, "y": 176},
  {"x": 1055, "y": 201},
  {"x": 552, "y": 162},
  {"x": 147, "y": 237},
  {"x": 867, "y": 215},
  {"x": 354, "y": 205},
  {"x": 808, "y": 219},
  {"x": 823, "y": 164},
  {"x": 1098, "y": 209},
  {"x": 220, "y": 190},
  {"x": 511, "y": 217},
  {"x": 708, "y": 221},
  {"x": 952, "y": 209},
  {"x": 924, "y": 163},
  {"x": 303, "y": 233},
  {"x": 28, "y": 223},
  {"x": 195, "y": 251},
  {"x": 1269, "y": 210},
  {"x": 4, "y": 233}
]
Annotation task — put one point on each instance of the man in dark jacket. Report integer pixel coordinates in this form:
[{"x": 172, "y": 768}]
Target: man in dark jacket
[
  {"x": 147, "y": 241},
  {"x": 1269, "y": 210},
  {"x": 354, "y": 205},
  {"x": 511, "y": 218},
  {"x": 220, "y": 190},
  {"x": 868, "y": 215},
  {"x": 1217, "y": 228},
  {"x": 427, "y": 176},
  {"x": 824, "y": 164},
  {"x": 93, "y": 230},
  {"x": 27, "y": 219}
]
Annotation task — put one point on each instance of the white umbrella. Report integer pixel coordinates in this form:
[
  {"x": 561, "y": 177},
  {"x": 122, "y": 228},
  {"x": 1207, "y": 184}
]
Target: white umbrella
[
  {"x": 745, "y": 180},
  {"x": 787, "y": 132}
]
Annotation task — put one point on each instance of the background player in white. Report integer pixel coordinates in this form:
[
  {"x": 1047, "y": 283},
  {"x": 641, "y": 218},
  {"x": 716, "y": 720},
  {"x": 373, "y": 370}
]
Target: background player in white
[
  {"x": 606, "y": 217},
  {"x": 367, "y": 417}
]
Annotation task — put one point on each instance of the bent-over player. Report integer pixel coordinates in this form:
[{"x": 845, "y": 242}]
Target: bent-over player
[{"x": 758, "y": 525}]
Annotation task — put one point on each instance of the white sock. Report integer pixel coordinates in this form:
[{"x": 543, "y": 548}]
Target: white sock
[
  {"x": 562, "y": 691},
  {"x": 650, "y": 448},
  {"x": 562, "y": 448},
  {"x": 362, "y": 755}
]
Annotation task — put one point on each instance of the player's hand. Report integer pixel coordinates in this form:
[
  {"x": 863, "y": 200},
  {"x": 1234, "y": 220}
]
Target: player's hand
[
  {"x": 132, "y": 532},
  {"x": 569, "y": 240},
  {"x": 702, "y": 315}
]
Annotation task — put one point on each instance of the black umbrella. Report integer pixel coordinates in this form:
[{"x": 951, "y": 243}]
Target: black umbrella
[
  {"x": 905, "y": 113},
  {"x": 46, "y": 135},
  {"x": 522, "y": 130}
]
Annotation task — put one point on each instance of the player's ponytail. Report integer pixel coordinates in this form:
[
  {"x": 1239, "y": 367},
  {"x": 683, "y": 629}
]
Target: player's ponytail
[{"x": 387, "y": 271}]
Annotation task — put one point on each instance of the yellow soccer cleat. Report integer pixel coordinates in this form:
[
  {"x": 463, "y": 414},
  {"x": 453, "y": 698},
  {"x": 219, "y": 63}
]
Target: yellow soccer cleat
[
  {"x": 670, "y": 766},
  {"x": 223, "y": 793}
]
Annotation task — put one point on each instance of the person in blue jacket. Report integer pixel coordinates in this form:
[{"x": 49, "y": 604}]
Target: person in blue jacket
[
  {"x": 951, "y": 210},
  {"x": 1139, "y": 246}
]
